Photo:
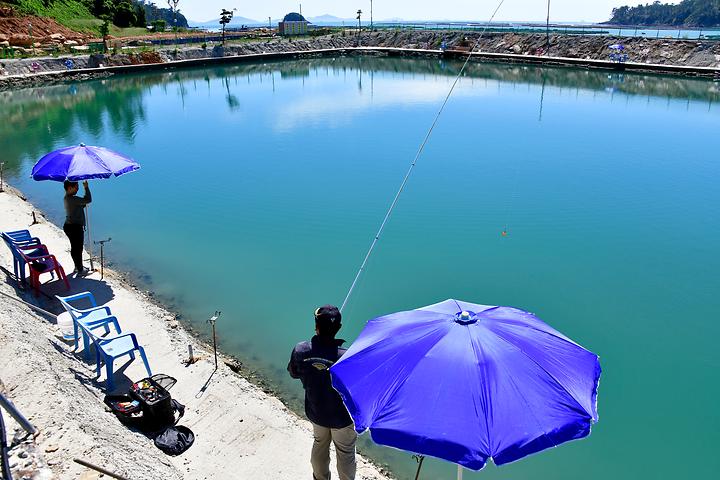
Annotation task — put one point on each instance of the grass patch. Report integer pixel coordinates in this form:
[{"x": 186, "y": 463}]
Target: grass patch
[
  {"x": 72, "y": 14},
  {"x": 127, "y": 32}
]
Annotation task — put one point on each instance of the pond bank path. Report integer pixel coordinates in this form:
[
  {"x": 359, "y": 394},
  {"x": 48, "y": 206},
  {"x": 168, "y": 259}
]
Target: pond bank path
[{"x": 242, "y": 430}]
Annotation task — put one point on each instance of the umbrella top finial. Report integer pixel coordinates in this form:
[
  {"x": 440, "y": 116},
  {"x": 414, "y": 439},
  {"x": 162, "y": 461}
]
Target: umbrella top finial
[
  {"x": 466, "y": 318},
  {"x": 82, "y": 144}
]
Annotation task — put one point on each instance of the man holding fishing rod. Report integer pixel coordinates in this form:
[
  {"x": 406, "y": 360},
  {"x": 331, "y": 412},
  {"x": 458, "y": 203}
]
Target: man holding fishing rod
[{"x": 310, "y": 362}]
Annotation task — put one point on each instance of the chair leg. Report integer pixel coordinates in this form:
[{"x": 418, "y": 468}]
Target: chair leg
[
  {"x": 61, "y": 274},
  {"x": 117, "y": 325},
  {"x": 145, "y": 361},
  {"x": 75, "y": 335},
  {"x": 86, "y": 346},
  {"x": 98, "y": 364},
  {"x": 35, "y": 282},
  {"x": 109, "y": 371}
]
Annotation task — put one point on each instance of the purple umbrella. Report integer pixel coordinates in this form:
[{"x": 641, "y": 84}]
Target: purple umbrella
[
  {"x": 468, "y": 383},
  {"x": 80, "y": 163}
]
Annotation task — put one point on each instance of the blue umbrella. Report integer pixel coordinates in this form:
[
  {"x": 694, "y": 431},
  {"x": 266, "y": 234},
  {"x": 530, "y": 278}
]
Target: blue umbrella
[
  {"x": 82, "y": 162},
  {"x": 468, "y": 383}
]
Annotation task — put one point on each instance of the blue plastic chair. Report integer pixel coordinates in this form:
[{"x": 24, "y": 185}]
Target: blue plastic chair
[
  {"x": 90, "y": 318},
  {"x": 19, "y": 238},
  {"x": 108, "y": 349}
]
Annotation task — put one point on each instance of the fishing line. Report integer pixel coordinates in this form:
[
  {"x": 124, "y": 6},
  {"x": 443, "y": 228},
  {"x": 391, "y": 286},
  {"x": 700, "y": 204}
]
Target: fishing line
[{"x": 417, "y": 157}]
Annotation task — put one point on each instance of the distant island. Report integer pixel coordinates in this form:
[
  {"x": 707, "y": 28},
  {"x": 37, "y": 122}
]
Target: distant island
[{"x": 688, "y": 13}]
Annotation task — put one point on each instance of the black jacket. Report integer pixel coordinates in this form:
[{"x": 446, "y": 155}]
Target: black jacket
[{"x": 310, "y": 362}]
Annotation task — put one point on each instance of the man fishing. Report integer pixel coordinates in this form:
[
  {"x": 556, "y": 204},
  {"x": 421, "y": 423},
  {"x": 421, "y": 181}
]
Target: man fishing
[
  {"x": 75, "y": 222},
  {"x": 310, "y": 362}
]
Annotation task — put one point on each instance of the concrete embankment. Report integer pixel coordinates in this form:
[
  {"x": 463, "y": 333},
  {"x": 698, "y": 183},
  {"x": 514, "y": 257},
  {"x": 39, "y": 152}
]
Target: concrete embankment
[{"x": 660, "y": 55}]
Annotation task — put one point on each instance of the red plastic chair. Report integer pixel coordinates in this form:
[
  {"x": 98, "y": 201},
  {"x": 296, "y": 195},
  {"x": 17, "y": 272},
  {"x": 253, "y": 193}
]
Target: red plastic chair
[{"x": 43, "y": 263}]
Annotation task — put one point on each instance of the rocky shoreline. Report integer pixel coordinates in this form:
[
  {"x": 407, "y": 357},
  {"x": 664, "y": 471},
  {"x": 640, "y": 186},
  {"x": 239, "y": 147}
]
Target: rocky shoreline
[{"x": 677, "y": 55}]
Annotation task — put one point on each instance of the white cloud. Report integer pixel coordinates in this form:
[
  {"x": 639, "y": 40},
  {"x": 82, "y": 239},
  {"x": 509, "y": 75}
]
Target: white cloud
[{"x": 340, "y": 106}]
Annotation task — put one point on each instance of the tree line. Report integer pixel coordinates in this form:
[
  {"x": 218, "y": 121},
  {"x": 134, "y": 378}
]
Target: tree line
[
  {"x": 136, "y": 13},
  {"x": 688, "y": 13}
]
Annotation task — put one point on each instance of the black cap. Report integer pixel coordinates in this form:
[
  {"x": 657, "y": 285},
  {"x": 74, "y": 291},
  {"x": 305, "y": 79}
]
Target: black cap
[
  {"x": 328, "y": 318},
  {"x": 328, "y": 313}
]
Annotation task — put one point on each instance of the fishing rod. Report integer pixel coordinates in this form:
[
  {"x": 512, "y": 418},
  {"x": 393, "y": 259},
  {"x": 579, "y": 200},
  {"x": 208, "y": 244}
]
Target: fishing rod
[{"x": 415, "y": 160}]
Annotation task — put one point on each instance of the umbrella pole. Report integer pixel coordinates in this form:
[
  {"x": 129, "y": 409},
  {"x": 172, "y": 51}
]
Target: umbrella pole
[
  {"x": 89, "y": 234},
  {"x": 460, "y": 473},
  {"x": 420, "y": 462}
]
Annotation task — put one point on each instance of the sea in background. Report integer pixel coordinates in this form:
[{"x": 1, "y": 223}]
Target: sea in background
[
  {"x": 263, "y": 185},
  {"x": 565, "y": 28}
]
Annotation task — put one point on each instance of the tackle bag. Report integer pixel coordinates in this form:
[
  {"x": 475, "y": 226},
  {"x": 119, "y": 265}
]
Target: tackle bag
[{"x": 148, "y": 406}]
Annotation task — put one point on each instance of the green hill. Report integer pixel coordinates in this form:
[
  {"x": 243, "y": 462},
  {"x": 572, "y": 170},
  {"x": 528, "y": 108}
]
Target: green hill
[
  {"x": 88, "y": 15},
  {"x": 688, "y": 13}
]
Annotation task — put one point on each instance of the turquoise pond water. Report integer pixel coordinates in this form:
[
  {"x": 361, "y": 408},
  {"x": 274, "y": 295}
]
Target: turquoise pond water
[{"x": 263, "y": 184}]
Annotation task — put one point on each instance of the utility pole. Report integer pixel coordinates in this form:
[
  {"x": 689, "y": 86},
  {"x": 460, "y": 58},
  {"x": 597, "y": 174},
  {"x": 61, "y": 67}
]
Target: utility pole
[
  {"x": 547, "y": 31},
  {"x": 173, "y": 4},
  {"x": 371, "y": 15}
]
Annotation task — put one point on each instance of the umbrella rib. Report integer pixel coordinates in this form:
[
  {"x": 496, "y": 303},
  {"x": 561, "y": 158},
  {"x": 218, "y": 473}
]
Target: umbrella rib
[
  {"x": 397, "y": 388},
  {"x": 527, "y": 404},
  {"x": 479, "y": 353},
  {"x": 553, "y": 333},
  {"x": 577, "y": 402},
  {"x": 100, "y": 160}
]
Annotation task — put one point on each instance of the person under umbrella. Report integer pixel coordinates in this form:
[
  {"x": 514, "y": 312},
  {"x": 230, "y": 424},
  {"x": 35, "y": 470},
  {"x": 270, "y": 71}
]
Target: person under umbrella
[
  {"x": 74, "y": 226},
  {"x": 71, "y": 165},
  {"x": 310, "y": 362}
]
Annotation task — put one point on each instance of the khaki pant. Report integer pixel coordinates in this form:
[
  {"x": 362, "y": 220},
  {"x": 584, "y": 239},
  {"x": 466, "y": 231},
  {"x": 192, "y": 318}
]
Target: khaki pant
[{"x": 344, "y": 440}]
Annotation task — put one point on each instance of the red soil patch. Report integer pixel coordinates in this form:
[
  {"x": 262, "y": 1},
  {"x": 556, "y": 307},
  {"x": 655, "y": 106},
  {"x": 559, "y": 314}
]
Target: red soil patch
[{"x": 16, "y": 30}]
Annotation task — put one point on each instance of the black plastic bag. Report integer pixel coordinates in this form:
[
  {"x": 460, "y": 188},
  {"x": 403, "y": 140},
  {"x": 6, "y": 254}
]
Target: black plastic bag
[{"x": 175, "y": 440}]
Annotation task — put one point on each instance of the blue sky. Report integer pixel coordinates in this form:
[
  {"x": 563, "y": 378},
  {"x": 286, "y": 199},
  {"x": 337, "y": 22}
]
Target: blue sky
[{"x": 532, "y": 10}]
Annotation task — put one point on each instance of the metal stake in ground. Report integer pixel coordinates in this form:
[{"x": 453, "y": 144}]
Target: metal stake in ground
[
  {"x": 102, "y": 256},
  {"x": 212, "y": 321},
  {"x": 89, "y": 237}
]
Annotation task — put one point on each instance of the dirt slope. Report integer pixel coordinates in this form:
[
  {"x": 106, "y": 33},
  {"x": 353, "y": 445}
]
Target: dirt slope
[{"x": 16, "y": 29}]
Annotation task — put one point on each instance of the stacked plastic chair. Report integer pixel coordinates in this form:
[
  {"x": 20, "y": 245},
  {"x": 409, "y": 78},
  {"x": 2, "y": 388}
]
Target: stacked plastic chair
[{"x": 29, "y": 250}]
